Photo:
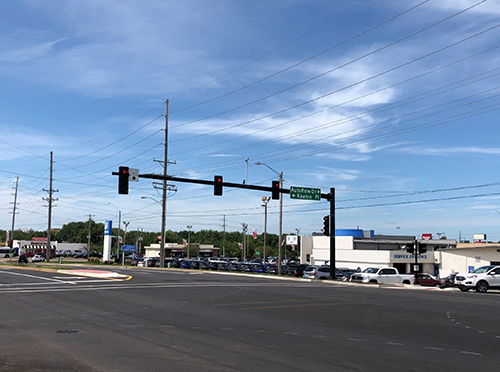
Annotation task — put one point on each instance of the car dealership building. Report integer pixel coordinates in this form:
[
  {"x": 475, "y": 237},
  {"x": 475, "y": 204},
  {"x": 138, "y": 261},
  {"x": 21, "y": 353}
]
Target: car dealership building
[{"x": 361, "y": 249}]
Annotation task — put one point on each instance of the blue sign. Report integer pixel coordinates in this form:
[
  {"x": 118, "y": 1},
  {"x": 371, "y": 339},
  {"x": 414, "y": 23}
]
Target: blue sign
[
  {"x": 108, "y": 228},
  {"x": 128, "y": 248}
]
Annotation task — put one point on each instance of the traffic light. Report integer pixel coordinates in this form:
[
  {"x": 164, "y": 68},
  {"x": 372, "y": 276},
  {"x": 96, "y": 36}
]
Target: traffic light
[
  {"x": 218, "y": 185},
  {"x": 410, "y": 248},
  {"x": 422, "y": 248},
  {"x": 326, "y": 225},
  {"x": 123, "y": 180},
  {"x": 275, "y": 190}
]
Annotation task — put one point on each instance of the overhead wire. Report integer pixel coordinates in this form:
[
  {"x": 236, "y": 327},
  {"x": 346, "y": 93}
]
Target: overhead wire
[{"x": 386, "y": 46}]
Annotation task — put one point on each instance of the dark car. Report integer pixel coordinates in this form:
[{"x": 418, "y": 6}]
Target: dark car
[
  {"x": 426, "y": 280},
  {"x": 270, "y": 269},
  {"x": 447, "y": 282},
  {"x": 294, "y": 270},
  {"x": 23, "y": 259}
]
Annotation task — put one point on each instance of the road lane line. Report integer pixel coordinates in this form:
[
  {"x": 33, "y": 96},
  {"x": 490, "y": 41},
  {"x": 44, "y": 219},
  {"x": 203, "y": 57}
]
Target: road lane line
[{"x": 37, "y": 277}]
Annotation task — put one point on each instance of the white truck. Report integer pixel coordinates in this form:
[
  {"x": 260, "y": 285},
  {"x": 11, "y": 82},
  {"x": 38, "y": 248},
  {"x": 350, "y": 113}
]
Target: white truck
[
  {"x": 382, "y": 275},
  {"x": 481, "y": 279}
]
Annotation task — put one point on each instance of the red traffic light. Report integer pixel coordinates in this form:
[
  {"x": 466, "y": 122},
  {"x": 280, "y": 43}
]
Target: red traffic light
[
  {"x": 218, "y": 185},
  {"x": 275, "y": 190},
  {"x": 123, "y": 180}
]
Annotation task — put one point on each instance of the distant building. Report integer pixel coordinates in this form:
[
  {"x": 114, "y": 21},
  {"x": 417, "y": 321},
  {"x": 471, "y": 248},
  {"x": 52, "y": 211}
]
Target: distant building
[{"x": 178, "y": 250}]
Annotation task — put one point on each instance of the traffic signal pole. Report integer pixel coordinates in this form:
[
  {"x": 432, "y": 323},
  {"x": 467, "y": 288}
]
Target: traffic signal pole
[
  {"x": 218, "y": 181},
  {"x": 332, "y": 233}
]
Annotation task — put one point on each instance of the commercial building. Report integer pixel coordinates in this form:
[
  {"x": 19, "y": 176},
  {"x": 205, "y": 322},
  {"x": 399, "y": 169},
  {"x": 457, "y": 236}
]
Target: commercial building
[{"x": 361, "y": 249}]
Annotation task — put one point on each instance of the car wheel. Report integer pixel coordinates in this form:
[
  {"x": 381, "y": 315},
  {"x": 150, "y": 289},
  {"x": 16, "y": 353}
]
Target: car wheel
[
  {"x": 482, "y": 287},
  {"x": 464, "y": 289}
]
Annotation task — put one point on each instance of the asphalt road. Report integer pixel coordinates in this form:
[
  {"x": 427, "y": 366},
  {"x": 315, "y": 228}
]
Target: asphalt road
[{"x": 166, "y": 320}]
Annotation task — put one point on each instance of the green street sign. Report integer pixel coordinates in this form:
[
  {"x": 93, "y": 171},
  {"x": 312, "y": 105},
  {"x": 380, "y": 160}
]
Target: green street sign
[{"x": 305, "y": 193}]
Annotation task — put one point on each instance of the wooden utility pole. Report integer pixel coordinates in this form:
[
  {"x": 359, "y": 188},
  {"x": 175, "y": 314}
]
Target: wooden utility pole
[
  {"x": 13, "y": 216},
  {"x": 164, "y": 192},
  {"x": 50, "y": 199}
]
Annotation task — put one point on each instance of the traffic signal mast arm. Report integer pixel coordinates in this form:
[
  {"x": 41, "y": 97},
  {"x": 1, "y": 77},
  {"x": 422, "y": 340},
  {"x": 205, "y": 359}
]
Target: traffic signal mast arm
[
  {"x": 212, "y": 182},
  {"x": 224, "y": 183}
]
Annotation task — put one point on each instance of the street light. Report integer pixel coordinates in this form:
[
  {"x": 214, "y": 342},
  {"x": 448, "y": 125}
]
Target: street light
[
  {"x": 138, "y": 240},
  {"x": 245, "y": 181},
  {"x": 119, "y": 230},
  {"x": 281, "y": 213},
  {"x": 189, "y": 238},
  {"x": 298, "y": 244},
  {"x": 124, "y": 237},
  {"x": 265, "y": 200}
]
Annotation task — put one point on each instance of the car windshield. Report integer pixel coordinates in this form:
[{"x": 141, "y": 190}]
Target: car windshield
[
  {"x": 370, "y": 270},
  {"x": 481, "y": 270}
]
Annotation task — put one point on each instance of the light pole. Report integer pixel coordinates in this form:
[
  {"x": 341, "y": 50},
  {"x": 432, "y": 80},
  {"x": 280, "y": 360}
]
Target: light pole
[
  {"x": 119, "y": 231},
  {"x": 281, "y": 214},
  {"x": 246, "y": 171},
  {"x": 189, "y": 238},
  {"x": 124, "y": 243},
  {"x": 138, "y": 240},
  {"x": 244, "y": 228},
  {"x": 265, "y": 200},
  {"x": 298, "y": 242}
]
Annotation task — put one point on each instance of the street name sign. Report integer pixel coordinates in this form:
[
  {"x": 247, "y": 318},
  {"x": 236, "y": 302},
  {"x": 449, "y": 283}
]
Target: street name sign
[{"x": 305, "y": 193}]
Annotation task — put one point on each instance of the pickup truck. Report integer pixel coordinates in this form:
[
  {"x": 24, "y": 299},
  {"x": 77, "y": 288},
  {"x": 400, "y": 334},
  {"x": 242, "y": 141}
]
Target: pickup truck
[
  {"x": 382, "y": 275},
  {"x": 481, "y": 279}
]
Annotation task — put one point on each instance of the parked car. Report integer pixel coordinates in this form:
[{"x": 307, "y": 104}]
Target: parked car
[
  {"x": 481, "y": 279},
  {"x": 426, "y": 280},
  {"x": 270, "y": 268},
  {"x": 38, "y": 258},
  {"x": 310, "y": 272},
  {"x": 448, "y": 281},
  {"x": 294, "y": 269},
  {"x": 80, "y": 254},
  {"x": 23, "y": 259},
  {"x": 382, "y": 275}
]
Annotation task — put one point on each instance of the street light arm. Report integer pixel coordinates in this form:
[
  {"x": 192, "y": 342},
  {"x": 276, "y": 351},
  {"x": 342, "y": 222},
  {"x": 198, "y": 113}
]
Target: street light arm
[{"x": 274, "y": 170}]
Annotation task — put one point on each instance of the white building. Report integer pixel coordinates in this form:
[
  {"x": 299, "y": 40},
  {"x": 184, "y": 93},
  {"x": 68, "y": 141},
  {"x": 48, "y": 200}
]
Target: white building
[{"x": 443, "y": 256}]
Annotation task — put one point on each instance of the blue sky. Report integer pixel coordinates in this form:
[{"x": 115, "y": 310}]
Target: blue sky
[{"x": 392, "y": 103}]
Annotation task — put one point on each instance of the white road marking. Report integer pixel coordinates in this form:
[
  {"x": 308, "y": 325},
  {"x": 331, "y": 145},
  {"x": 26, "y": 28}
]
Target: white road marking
[
  {"x": 394, "y": 343},
  {"x": 291, "y": 333},
  {"x": 471, "y": 353},
  {"x": 434, "y": 348},
  {"x": 36, "y": 277}
]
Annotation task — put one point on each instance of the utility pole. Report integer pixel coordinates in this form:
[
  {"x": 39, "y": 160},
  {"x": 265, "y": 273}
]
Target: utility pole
[
  {"x": 164, "y": 192},
  {"x": 14, "y": 216},
  {"x": 50, "y": 199},
  {"x": 189, "y": 239},
  {"x": 88, "y": 238},
  {"x": 224, "y": 238}
]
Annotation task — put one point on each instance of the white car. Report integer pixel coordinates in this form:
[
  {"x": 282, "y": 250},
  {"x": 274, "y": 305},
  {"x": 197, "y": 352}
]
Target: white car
[
  {"x": 481, "y": 279},
  {"x": 317, "y": 272},
  {"x": 38, "y": 258}
]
